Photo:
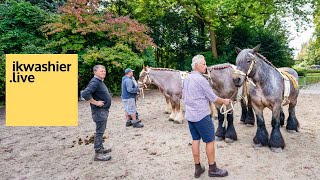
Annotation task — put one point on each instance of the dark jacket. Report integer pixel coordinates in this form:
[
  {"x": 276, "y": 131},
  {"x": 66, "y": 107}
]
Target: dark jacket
[
  {"x": 97, "y": 90},
  {"x": 128, "y": 88}
]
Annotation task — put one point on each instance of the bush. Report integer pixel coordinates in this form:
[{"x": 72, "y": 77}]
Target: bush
[
  {"x": 116, "y": 59},
  {"x": 2, "y": 78},
  {"x": 301, "y": 71}
]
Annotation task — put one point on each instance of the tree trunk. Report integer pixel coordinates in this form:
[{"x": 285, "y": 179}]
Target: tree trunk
[{"x": 213, "y": 44}]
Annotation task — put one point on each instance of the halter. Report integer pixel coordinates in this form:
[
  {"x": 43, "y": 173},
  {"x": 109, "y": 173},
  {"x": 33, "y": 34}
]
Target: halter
[
  {"x": 147, "y": 77},
  {"x": 237, "y": 71},
  {"x": 143, "y": 83},
  {"x": 207, "y": 75}
]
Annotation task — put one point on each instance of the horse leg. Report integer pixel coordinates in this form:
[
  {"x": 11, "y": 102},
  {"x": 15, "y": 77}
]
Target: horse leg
[
  {"x": 221, "y": 131},
  {"x": 168, "y": 107},
  {"x": 250, "y": 114},
  {"x": 213, "y": 110},
  {"x": 244, "y": 111},
  {"x": 179, "y": 116},
  {"x": 173, "y": 113},
  {"x": 261, "y": 137},
  {"x": 276, "y": 140},
  {"x": 292, "y": 121},
  {"x": 282, "y": 117},
  {"x": 231, "y": 134}
]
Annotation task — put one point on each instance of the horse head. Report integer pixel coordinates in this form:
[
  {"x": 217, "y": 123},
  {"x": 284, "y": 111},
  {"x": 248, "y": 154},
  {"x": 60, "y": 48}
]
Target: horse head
[
  {"x": 144, "y": 77},
  {"x": 245, "y": 62}
]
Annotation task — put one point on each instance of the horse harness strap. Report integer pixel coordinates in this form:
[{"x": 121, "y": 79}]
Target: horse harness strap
[
  {"x": 287, "y": 78},
  {"x": 237, "y": 71}
]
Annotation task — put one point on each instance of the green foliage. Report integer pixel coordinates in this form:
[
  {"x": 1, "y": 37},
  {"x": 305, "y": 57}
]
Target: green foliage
[
  {"x": 48, "y": 5},
  {"x": 148, "y": 56},
  {"x": 301, "y": 71},
  {"x": 19, "y": 32},
  {"x": 310, "y": 52},
  {"x": 115, "y": 59},
  {"x": 2, "y": 78},
  {"x": 99, "y": 37},
  {"x": 19, "y": 28},
  {"x": 273, "y": 40}
]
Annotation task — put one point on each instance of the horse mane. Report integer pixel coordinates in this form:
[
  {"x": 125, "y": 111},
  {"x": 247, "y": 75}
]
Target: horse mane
[
  {"x": 220, "y": 66},
  {"x": 265, "y": 60},
  {"x": 164, "y": 69}
]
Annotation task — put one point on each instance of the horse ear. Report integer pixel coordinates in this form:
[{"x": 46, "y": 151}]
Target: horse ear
[
  {"x": 143, "y": 67},
  {"x": 256, "y": 49},
  {"x": 238, "y": 50}
]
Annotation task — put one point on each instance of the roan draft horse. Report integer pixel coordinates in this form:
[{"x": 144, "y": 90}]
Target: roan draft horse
[
  {"x": 170, "y": 84},
  {"x": 269, "y": 91}
]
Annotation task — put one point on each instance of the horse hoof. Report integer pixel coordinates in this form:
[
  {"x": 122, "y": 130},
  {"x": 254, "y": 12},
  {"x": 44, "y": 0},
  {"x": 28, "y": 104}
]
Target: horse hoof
[
  {"x": 291, "y": 131},
  {"x": 219, "y": 138},
  {"x": 228, "y": 140},
  {"x": 249, "y": 125},
  {"x": 171, "y": 119},
  {"x": 276, "y": 150},
  {"x": 257, "y": 145},
  {"x": 177, "y": 122}
]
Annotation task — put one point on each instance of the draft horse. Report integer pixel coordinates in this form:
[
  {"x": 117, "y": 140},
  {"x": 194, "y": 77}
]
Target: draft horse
[{"x": 267, "y": 92}]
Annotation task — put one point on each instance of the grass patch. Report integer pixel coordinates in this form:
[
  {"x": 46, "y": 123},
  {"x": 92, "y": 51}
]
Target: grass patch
[{"x": 309, "y": 78}]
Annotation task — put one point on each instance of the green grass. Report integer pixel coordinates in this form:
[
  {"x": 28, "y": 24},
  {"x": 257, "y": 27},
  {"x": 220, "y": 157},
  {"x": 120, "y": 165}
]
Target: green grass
[{"x": 310, "y": 78}]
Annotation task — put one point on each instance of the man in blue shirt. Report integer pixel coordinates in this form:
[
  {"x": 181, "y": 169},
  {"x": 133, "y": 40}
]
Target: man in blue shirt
[{"x": 129, "y": 92}]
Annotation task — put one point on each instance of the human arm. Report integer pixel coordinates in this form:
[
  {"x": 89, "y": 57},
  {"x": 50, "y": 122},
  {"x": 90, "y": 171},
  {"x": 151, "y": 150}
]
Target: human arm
[
  {"x": 211, "y": 96},
  {"x": 129, "y": 87},
  {"x": 87, "y": 93}
]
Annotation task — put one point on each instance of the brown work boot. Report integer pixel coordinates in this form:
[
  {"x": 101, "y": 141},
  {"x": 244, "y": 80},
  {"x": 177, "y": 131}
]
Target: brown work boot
[
  {"x": 198, "y": 170},
  {"x": 216, "y": 172}
]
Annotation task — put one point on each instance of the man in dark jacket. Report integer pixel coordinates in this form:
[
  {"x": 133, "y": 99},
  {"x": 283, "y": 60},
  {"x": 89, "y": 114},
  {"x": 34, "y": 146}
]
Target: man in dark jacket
[
  {"x": 129, "y": 92},
  {"x": 97, "y": 94}
]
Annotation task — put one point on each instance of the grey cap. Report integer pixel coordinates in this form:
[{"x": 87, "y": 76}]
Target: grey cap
[{"x": 128, "y": 70}]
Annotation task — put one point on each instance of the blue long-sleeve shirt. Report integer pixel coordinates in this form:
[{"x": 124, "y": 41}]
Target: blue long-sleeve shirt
[{"x": 128, "y": 88}]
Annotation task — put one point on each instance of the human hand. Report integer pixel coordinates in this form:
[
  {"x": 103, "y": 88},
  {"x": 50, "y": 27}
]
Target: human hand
[
  {"x": 227, "y": 101},
  {"x": 99, "y": 103}
]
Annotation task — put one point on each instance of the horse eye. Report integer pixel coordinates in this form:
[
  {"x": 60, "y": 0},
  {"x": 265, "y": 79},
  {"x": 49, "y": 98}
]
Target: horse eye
[{"x": 248, "y": 61}]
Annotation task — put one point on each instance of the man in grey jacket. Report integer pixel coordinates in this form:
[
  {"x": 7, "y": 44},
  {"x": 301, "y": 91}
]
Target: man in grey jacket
[
  {"x": 97, "y": 94},
  {"x": 129, "y": 92}
]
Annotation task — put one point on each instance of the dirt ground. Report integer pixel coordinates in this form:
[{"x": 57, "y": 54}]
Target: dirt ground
[{"x": 160, "y": 150}]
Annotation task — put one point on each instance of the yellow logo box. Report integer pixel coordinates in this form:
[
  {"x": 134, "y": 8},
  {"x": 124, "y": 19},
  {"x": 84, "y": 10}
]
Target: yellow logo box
[{"x": 41, "y": 90}]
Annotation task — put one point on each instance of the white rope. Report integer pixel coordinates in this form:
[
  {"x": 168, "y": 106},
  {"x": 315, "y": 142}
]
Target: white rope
[{"x": 225, "y": 112}]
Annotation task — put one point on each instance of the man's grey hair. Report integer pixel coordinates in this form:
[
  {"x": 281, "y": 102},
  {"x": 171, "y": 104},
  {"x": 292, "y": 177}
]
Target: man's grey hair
[
  {"x": 196, "y": 60},
  {"x": 96, "y": 67}
]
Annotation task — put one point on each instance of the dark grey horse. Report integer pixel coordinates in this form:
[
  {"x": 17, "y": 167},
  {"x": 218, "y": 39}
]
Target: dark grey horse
[
  {"x": 269, "y": 92},
  {"x": 222, "y": 84}
]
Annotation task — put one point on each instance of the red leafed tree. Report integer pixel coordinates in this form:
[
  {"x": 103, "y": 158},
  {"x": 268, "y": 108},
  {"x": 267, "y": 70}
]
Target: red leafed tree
[{"x": 84, "y": 23}]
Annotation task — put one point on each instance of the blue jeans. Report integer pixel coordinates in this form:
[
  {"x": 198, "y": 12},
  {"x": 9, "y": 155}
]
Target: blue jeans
[
  {"x": 100, "y": 117},
  {"x": 203, "y": 129}
]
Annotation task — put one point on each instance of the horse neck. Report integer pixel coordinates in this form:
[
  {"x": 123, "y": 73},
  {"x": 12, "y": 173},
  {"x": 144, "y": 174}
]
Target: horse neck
[
  {"x": 222, "y": 81},
  {"x": 264, "y": 75},
  {"x": 158, "y": 78}
]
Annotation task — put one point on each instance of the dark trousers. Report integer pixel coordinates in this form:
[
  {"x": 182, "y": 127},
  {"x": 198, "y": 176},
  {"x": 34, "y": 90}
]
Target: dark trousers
[{"x": 100, "y": 117}]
